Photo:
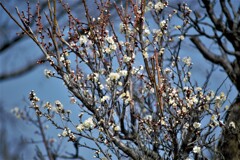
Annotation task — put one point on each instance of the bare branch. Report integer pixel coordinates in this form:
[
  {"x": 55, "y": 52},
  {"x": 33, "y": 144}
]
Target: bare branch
[{"x": 19, "y": 72}]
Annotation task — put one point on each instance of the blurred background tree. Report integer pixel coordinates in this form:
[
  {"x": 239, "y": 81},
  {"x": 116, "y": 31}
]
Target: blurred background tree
[{"x": 218, "y": 22}]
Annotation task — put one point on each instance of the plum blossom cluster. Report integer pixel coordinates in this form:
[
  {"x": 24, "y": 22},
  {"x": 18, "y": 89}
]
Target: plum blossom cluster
[
  {"x": 18, "y": 113},
  {"x": 67, "y": 133},
  {"x": 88, "y": 124},
  {"x": 137, "y": 104}
]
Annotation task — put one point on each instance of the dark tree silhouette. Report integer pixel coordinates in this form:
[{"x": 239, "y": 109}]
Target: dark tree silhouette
[{"x": 219, "y": 23}]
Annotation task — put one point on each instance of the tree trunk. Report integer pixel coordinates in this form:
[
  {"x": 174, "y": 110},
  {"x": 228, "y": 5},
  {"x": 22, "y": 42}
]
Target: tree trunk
[{"x": 229, "y": 144}]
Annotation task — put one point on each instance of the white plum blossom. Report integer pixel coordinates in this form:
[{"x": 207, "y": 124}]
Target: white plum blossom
[
  {"x": 66, "y": 132},
  {"x": 88, "y": 123},
  {"x": 62, "y": 59},
  {"x": 48, "y": 105},
  {"x": 161, "y": 52},
  {"x": 120, "y": 83},
  {"x": 126, "y": 58},
  {"x": 187, "y": 61},
  {"x": 219, "y": 99},
  {"x": 163, "y": 23},
  {"x": 196, "y": 125},
  {"x": 232, "y": 124},
  {"x": 126, "y": 97},
  {"x": 48, "y": 73},
  {"x": 196, "y": 149},
  {"x": 184, "y": 109},
  {"x": 105, "y": 98},
  {"x": 134, "y": 70},
  {"x": 114, "y": 76},
  {"x": 222, "y": 96},
  {"x": 158, "y": 32},
  {"x": 198, "y": 89},
  {"x": 211, "y": 94},
  {"x": 83, "y": 39},
  {"x": 121, "y": 27},
  {"x": 123, "y": 72},
  {"x": 194, "y": 99},
  {"x": 226, "y": 107},
  {"x": 59, "y": 106},
  {"x": 171, "y": 101},
  {"x": 146, "y": 31},
  {"x": 117, "y": 128},
  {"x": 108, "y": 50},
  {"x": 188, "y": 9},
  {"x": 110, "y": 40},
  {"x": 113, "y": 47},
  {"x": 145, "y": 54},
  {"x": 150, "y": 5},
  {"x": 185, "y": 79},
  {"x": 214, "y": 117},
  {"x": 72, "y": 136},
  {"x": 173, "y": 64},
  {"x": 167, "y": 70},
  {"x": 181, "y": 37},
  {"x": 152, "y": 90},
  {"x": 101, "y": 86},
  {"x": 80, "y": 128},
  {"x": 159, "y": 6},
  {"x": 163, "y": 122},
  {"x": 17, "y": 112},
  {"x": 185, "y": 126},
  {"x": 96, "y": 75}
]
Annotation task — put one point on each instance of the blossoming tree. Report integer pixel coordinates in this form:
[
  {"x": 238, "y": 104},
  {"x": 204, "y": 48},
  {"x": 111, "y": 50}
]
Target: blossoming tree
[{"x": 134, "y": 90}]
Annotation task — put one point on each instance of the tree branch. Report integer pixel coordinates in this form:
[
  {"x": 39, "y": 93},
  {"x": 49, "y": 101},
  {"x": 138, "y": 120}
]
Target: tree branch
[
  {"x": 211, "y": 56},
  {"x": 24, "y": 70}
]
